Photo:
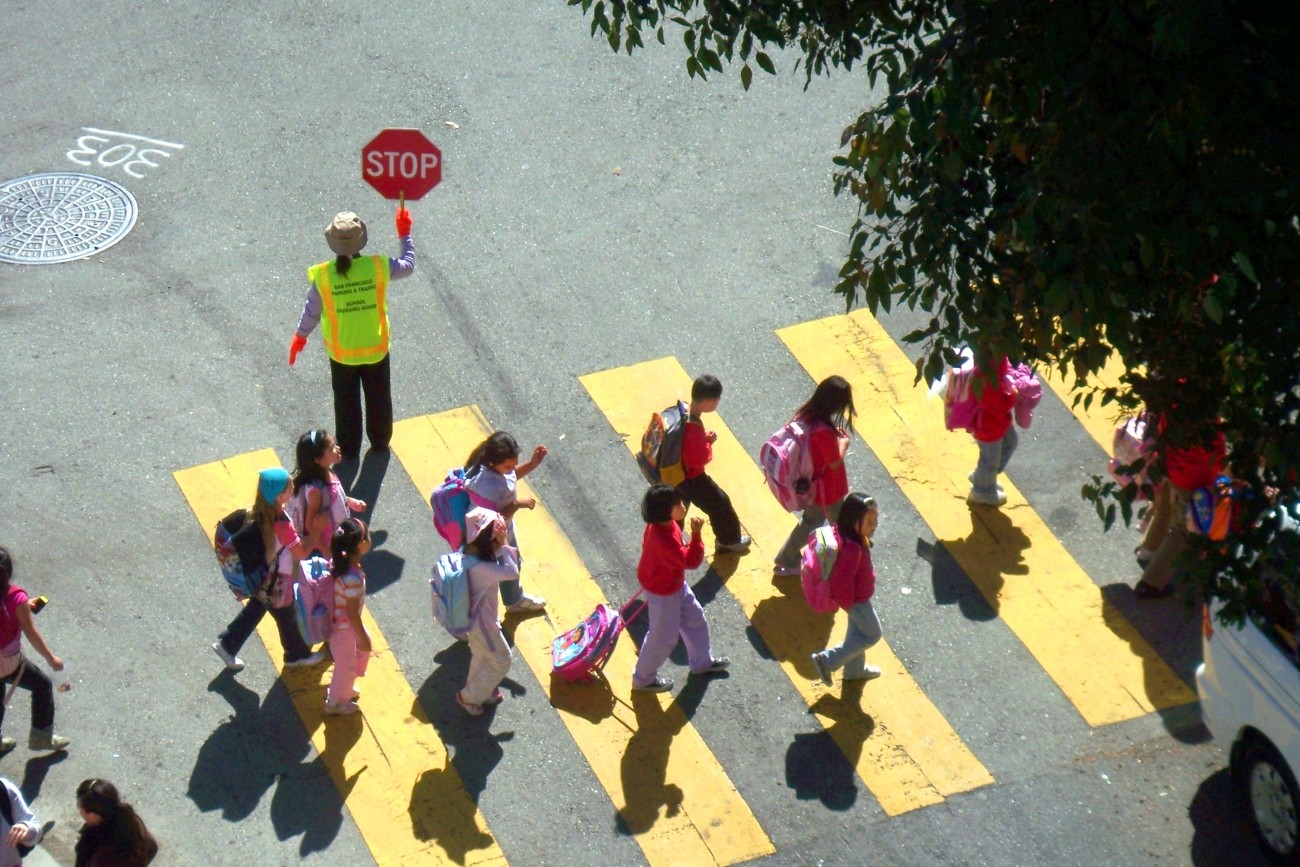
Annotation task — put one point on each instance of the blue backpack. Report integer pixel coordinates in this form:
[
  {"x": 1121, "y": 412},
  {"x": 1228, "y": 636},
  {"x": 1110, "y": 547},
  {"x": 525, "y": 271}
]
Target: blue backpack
[{"x": 450, "y": 585}]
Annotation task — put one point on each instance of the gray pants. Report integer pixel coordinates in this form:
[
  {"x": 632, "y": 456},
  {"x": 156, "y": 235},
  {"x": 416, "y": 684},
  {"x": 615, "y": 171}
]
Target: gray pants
[{"x": 809, "y": 520}]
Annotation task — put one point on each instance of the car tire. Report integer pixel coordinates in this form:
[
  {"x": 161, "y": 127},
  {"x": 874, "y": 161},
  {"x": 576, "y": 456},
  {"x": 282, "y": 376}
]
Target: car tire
[{"x": 1274, "y": 802}]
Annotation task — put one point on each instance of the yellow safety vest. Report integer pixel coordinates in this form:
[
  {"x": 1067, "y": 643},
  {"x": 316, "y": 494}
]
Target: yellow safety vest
[{"x": 354, "y": 309}]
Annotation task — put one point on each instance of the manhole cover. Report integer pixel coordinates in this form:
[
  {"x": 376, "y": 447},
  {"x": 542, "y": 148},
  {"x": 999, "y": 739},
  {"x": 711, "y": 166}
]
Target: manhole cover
[{"x": 61, "y": 216}]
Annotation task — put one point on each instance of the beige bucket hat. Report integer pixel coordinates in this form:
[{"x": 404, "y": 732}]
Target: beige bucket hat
[{"x": 346, "y": 234}]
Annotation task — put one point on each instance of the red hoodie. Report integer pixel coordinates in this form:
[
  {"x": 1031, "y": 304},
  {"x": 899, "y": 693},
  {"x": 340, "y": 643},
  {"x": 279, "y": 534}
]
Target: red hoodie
[{"x": 665, "y": 558}]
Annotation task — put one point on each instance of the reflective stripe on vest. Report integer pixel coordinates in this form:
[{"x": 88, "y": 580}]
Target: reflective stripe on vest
[{"x": 354, "y": 309}]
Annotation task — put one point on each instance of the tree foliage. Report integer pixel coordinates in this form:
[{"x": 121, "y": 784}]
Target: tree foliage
[{"x": 1058, "y": 181}]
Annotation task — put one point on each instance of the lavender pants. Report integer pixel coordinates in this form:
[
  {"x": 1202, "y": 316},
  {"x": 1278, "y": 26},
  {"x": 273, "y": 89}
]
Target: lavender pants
[{"x": 672, "y": 615}]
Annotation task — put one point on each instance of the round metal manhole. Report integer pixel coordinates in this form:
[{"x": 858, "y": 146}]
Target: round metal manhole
[{"x": 61, "y": 216}]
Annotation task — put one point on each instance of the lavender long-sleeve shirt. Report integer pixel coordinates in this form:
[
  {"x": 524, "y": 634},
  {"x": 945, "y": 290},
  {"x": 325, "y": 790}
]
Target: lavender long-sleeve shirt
[{"x": 398, "y": 268}]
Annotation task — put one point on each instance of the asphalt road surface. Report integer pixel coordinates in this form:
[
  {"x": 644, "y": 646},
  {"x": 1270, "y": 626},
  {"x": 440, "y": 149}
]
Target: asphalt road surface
[{"x": 598, "y": 213}]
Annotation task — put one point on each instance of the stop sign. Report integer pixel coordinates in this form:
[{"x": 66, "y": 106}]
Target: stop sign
[{"x": 401, "y": 162}]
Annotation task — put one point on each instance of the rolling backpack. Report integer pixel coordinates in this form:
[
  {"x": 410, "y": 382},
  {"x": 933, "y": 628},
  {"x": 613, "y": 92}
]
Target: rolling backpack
[
  {"x": 660, "y": 458},
  {"x": 815, "y": 570},
  {"x": 241, "y": 553},
  {"x": 450, "y": 502},
  {"x": 578, "y": 655},
  {"x": 787, "y": 462},
  {"x": 313, "y": 599},
  {"x": 450, "y": 586}
]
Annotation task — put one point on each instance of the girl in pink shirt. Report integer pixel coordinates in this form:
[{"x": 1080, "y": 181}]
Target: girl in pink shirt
[
  {"x": 321, "y": 503},
  {"x": 853, "y": 583},
  {"x": 349, "y": 641}
]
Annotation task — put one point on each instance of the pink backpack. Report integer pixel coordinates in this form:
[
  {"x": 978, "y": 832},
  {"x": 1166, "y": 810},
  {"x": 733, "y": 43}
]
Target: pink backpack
[
  {"x": 579, "y": 654},
  {"x": 819, "y": 557},
  {"x": 959, "y": 402},
  {"x": 786, "y": 461},
  {"x": 1133, "y": 440},
  {"x": 313, "y": 599}
]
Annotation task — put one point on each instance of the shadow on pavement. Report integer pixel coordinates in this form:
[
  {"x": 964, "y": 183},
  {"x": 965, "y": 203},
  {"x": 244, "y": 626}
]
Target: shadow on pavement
[
  {"x": 262, "y": 745},
  {"x": 1222, "y": 831},
  {"x": 819, "y": 765}
]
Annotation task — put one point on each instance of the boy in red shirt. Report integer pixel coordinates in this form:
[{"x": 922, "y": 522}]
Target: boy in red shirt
[{"x": 697, "y": 451}]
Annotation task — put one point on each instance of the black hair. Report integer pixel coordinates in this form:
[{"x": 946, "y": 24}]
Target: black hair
[
  {"x": 347, "y": 538},
  {"x": 120, "y": 825},
  {"x": 498, "y": 447},
  {"x": 706, "y": 387},
  {"x": 6, "y": 569},
  {"x": 657, "y": 504},
  {"x": 831, "y": 402},
  {"x": 311, "y": 447},
  {"x": 342, "y": 264},
  {"x": 854, "y": 507}
]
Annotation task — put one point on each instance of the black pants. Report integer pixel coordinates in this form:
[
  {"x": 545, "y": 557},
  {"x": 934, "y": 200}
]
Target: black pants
[
  {"x": 286, "y": 621},
  {"x": 38, "y": 684},
  {"x": 349, "y": 382},
  {"x": 703, "y": 492}
]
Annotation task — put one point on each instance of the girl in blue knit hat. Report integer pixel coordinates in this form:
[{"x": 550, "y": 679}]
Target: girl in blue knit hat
[{"x": 283, "y": 551}]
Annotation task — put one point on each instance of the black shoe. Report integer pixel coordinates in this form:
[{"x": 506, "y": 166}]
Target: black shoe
[{"x": 1143, "y": 590}]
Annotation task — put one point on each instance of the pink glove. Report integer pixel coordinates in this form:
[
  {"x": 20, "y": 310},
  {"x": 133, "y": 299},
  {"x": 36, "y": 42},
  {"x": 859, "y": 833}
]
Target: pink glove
[
  {"x": 403, "y": 222},
  {"x": 298, "y": 344}
]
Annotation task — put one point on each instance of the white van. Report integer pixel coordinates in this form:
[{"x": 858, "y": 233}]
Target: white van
[{"x": 1249, "y": 686}]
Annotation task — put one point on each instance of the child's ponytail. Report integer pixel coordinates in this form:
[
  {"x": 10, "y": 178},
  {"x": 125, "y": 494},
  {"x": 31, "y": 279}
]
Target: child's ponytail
[{"x": 344, "y": 544}]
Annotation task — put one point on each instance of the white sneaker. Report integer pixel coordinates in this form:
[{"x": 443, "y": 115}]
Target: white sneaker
[
  {"x": 997, "y": 498},
  {"x": 527, "y": 603},
  {"x": 306, "y": 661},
  {"x": 738, "y": 547},
  {"x": 341, "y": 709},
  {"x": 234, "y": 663},
  {"x": 870, "y": 672}
]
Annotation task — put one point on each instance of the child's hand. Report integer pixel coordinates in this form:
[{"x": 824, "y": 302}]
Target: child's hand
[
  {"x": 697, "y": 524},
  {"x": 712, "y": 437},
  {"x": 538, "y": 454},
  {"x": 355, "y": 505},
  {"x": 363, "y": 642}
]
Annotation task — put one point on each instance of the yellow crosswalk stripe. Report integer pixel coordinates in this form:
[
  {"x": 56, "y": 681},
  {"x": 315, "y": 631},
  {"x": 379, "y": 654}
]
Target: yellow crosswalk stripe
[
  {"x": 900, "y": 744},
  {"x": 670, "y": 791},
  {"x": 388, "y": 763},
  {"x": 1096, "y": 657}
]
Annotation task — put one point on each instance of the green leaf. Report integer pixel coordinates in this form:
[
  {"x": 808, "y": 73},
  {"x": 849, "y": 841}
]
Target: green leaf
[
  {"x": 746, "y": 76},
  {"x": 764, "y": 62},
  {"x": 1212, "y": 308},
  {"x": 1243, "y": 265},
  {"x": 953, "y": 166}
]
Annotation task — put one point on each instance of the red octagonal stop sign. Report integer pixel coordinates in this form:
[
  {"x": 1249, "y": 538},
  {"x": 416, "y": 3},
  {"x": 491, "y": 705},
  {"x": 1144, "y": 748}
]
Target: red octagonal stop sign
[{"x": 401, "y": 162}]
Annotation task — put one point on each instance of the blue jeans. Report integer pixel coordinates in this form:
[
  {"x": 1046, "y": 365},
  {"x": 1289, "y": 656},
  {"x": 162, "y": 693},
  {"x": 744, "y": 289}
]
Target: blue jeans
[
  {"x": 993, "y": 460},
  {"x": 286, "y": 623},
  {"x": 864, "y": 631}
]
